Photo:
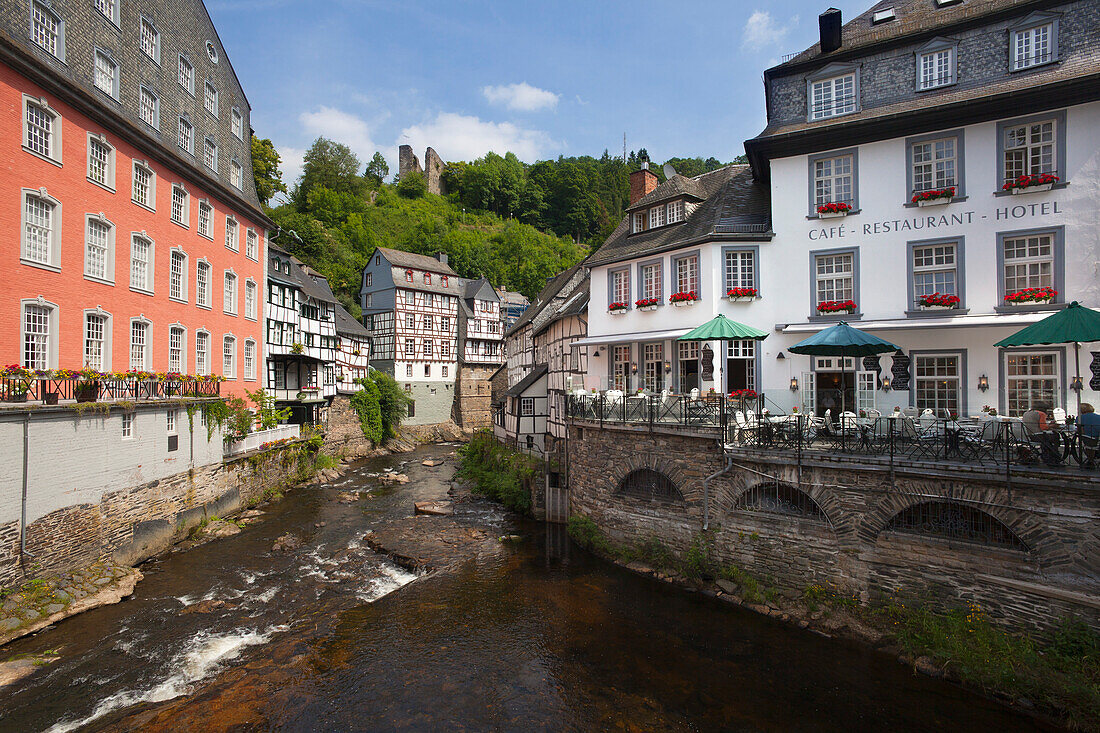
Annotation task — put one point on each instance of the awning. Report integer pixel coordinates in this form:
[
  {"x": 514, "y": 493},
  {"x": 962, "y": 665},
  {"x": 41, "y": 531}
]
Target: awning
[
  {"x": 622, "y": 338},
  {"x": 986, "y": 319}
]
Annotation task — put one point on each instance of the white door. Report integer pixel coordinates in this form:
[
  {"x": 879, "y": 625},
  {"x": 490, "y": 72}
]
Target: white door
[
  {"x": 809, "y": 392},
  {"x": 866, "y": 382}
]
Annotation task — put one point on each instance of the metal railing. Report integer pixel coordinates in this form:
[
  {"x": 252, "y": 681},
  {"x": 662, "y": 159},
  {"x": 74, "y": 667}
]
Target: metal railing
[{"x": 47, "y": 389}]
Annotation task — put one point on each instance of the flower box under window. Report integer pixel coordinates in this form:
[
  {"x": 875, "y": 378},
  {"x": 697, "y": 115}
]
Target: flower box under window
[
  {"x": 742, "y": 295},
  {"x": 683, "y": 298},
  {"x": 1031, "y": 296},
  {"x": 647, "y": 304},
  {"x": 1031, "y": 184},
  {"x": 835, "y": 307},
  {"x": 938, "y": 301},
  {"x": 617, "y": 308},
  {"x": 934, "y": 197},
  {"x": 833, "y": 210}
]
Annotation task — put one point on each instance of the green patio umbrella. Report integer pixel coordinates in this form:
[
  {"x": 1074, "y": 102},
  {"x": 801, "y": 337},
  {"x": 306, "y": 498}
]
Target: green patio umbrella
[
  {"x": 1074, "y": 324},
  {"x": 842, "y": 340},
  {"x": 723, "y": 329}
]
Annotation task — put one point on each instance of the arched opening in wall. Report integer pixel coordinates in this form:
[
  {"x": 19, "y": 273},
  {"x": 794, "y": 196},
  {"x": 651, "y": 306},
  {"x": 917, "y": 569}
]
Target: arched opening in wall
[
  {"x": 649, "y": 484},
  {"x": 780, "y": 498},
  {"x": 952, "y": 521}
]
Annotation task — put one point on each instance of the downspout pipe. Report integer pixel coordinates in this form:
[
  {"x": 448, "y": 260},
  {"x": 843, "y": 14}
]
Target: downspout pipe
[
  {"x": 26, "y": 469},
  {"x": 706, "y": 487}
]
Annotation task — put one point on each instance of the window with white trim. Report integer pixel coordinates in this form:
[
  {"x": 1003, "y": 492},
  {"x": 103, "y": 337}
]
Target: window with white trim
[
  {"x": 202, "y": 284},
  {"x": 1030, "y": 149},
  {"x": 101, "y": 161},
  {"x": 741, "y": 364},
  {"x": 675, "y": 211},
  {"x": 1031, "y": 379},
  {"x": 620, "y": 286},
  {"x": 687, "y": 274},
  {"x": 833, "y": 97},
  {"x": 206, "y": 217},
  {"x": 410, "y": 346},
  {"x": 95, "y": 341},
  {"x": 250, "y": 299},
  {"x": 834, "y": 277},
  {"x": 229, "y": 357},
  {"x": 410, "y": 321},
  {"x": 740, "y": 269},
  {"x": 834, "y": 180},
  {"x": 144, "y": 185},
  {"x": 236, "y": 124},
  {"x": 236, "y": 173},
  {"x": 651, "y": 281},
  {"x": 177, "y": 267},
  {"x": 41, "y": 130},
  {"x": 37, "y": 323},
  {"x": 202, "y": 353},
  {"x": 252, "y": 247},
  {"x": 210, "y": 154},
  {"x": 1028, "y": 262},
  {"x": 106, "y": 74},
  {"x": 657, "y": 217},
  {"x": 109, "y": 9},
  {"x": 620, "y": 366},
  {"x": 639, "y": 221},
  {"x": 180, "y": 201},
  {"x": 1032, "y": 46},
  {"x": 170, "y": 421},
  {"x": 150, "y": 40},
  {"x": 937, "y": 380},
  {"x": 526, "y": 406},
  {"x": 186, "y": 136},
  {"x": 935, "y": 270},
  {"x": 427, "y": 347},
  {"x": 936, "y": 68},
  {"x": 47, "y": 29},
  {"x": 141, "y": 263},
  {"x": 149, "y": 107},
  {"x": 98, "y": 248},
  {"x": 249, "y": 359},
  {"x": 186, "y": 75},
  {"x": 445, "y": 371},
  {"x": 139, "y": 345},
  {"x": 232, "y": 234},
  {"x": 229, "y": 297},
  {"x": 127, "y": 425},
  {"x": 175, "y": 349},
  {"x": 41, "y": 220},
  {"x": 653, "y": 356},
  {"x": 408, "y": 370},
  {"x": 210, "y": 98},
  {"x": 934, "y": 164}
]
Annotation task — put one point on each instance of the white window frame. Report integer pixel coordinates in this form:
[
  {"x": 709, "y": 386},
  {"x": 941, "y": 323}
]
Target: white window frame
[
  {"x": 52, "y": 260},
  {"x": 177, "y": 254},
  {"x": 185, "y": 74},
  {"x": 109, "y": 9},
  {"x": 931, "y": 374},
  {"x": 689, "y": 279},
  {"x": 148, "y": 30},
  {"x": 618, "y": 290},
  {"x": 103, "y": 344},
  {"x": 150, "y": 264},
  {"x": 1033, "y": 274},
  {"x": 657, "y": 216},
  {"x": 739, "y": 268},
  {"x": 181, "y": 214},
  {"x": 128, "y": 425},
  {"x": 108, "y": 181},
  {"x": 232, "y": 234},
  {"x": 182, "y": 330},
  {"x": 252, "y": 246},
  {"x": 206, "y": 215},
  {"x": 639, "y": 221},
  {"x": 236, "y": 123},
  {"x": 150, "y": 201},
  {"x": 229, "y": 356},
  {"x": 210, "y": 153},
  {"x": 54, "y": 147},
  {"x": 936, "y": 65},
  {"x": 675, "y": 212},
  {"x": 822, "y": 95},
  {"x": 829, "y": 183},
  {"x": 1013, "y": 405},
  {"x": 229, "y": 292},
  {"x": 58, "y": 50},
  {"x": 251, "y": 291},
  {"x": 108, "y": 276},
  {"x": 831, "y": 281},
  {"x": 938, "y": 163},
  {"x": 144, "y": 327},
  {"x": 98, "y": 54},
  {"x": 145, "y": 93},
  {"x": 526, "y": 406},
  {"x": 1023, "y": 37},
  {"x": 649, "y": 273},
  {"x": 1040, "y": 147},
  {"x": 937, "y": 252},
  {"x": 185, "y": 143},
  {"x": 203, "y": 294},
  {"x": 49, "y": 345},
  {"x": 210, "y": 99},
  {"x": 248, "y": 360},
  {"x": 202, "y": 352},
  {"x": 236, "y": 174}
]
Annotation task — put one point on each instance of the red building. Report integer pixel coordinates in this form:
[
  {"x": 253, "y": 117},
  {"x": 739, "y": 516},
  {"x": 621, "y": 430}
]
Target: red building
[{"x": 135, "y": 235}]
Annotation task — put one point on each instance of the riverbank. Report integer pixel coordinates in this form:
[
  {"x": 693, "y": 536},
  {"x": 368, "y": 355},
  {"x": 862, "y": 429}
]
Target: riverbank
[{"x": 1058, "y": 678}]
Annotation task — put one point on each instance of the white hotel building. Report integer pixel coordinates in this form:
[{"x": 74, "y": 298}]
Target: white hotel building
[{"x": 911, "y": 96}]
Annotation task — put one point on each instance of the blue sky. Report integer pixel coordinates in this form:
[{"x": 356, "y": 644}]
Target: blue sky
[{"x": 537, "y": 78}]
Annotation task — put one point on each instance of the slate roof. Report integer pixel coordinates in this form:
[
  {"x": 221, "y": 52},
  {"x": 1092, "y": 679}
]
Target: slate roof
[
  {"x": 524, "y": 384},
  {"x": 398, "y": 258},
  {"x": 545, "y": 297},
  {"x": 675, "y": 187},
  {"x": 346, "y": 324},
  {"x": 315, "y": 287},
  {"x": 481, "y": 289},
  {"x": 734, "y": 207},
  {"x": 571, "y": 300}
]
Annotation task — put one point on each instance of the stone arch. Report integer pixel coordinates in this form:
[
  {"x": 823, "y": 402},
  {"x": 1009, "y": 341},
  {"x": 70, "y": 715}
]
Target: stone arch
[
  {"x": 953, "y": 520},
  {"x": 664, "y": 467},
  {"x": 781, "y": 498},
  {"x": 646, "y": 483}
]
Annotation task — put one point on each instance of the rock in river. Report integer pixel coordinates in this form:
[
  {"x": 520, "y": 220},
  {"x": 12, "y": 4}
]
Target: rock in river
[
  {"x": 431, "y": 462},
  {"x": 287, "y": 542},
  {"x": 438, "y": 508}
]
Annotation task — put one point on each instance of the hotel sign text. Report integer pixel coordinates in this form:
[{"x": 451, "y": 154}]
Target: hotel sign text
[{"x": 921, "y": 223}]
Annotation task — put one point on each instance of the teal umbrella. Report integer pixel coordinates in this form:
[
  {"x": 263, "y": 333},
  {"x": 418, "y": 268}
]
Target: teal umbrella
[
  {"x": 1074, "y": 324},
  {"x": 723, "y": 329},
  {"x": 843, "y": 340}
]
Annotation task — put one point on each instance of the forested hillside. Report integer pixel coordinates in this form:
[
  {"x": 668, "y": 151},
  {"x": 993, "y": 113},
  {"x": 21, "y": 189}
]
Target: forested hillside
[{"x": 515, "y": 224}]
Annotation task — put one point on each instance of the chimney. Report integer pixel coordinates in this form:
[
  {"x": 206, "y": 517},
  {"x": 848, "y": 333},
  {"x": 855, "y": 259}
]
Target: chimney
[
  {"x": 829, "y": 23},
  {"x": 642, "y": 182},
  {"x": 442, "y": 257}
]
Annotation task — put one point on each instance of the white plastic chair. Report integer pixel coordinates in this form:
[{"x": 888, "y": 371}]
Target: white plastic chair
[
  {"x": 927, "y": 419},
  {"x": 1059, "y": 416},
  {"x": 694, "y": 393}
]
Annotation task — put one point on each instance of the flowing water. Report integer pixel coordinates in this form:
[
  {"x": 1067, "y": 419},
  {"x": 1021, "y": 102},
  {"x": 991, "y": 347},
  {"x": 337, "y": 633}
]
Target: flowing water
[{"x": 332, "y": 637}]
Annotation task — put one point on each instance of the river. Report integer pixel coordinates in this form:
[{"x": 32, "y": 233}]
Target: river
[{"x": 540, "y": 636}]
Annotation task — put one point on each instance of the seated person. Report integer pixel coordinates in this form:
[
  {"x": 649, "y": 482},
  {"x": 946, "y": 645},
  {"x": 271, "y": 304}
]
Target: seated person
[
  {"x": 1037, "y": 424},
  {"x": 1088, "y": 423}
]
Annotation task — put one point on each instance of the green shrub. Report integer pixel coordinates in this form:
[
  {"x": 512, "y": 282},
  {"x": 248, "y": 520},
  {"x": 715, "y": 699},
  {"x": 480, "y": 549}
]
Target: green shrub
[
  {"x": 586, "y": 534},
  {"x": 392, "y": 401},
  {"x": 366, "y": 404},
  {"x": 699, "y": 561},
  {"x": 498, "y": 472}
]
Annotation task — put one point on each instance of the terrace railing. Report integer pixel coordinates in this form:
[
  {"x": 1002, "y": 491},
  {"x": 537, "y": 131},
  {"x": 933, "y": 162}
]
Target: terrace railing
[{"x": 38, "y": 389}]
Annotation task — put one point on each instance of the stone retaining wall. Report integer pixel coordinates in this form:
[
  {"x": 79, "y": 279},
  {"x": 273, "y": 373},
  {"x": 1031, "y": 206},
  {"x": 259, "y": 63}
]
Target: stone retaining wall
[{"x": 850, "y": 548}]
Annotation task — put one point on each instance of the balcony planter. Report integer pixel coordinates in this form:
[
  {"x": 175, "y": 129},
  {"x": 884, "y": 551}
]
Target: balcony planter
[
  {"x": 934, "y": 197},
  {"x": 836, "y": 307},
  {"x": 50, "y": 398},
  {"x": 647, "y": 304},
  {"x": 647, "y": 308},
  {"x": 683, "y": 298},
  {"x": 1031, "y": 184},
  {"x": 16, "y": 397},
  {"x": 833, "y": 211},
  {"x": 937, "y": 307},
  {"x": 939, "y": 301},
  {"x": 1031, "y": 296},
  {"x": 742, "y": 295},
  {"x": 86, "y": 392}
]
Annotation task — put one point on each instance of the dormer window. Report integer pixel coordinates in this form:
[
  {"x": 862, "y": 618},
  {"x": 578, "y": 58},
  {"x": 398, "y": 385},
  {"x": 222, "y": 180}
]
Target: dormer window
[
  {"x": 408, "y": 276},
  {"x": 936, "y": 64},
  {"x": 639, "y": 222},
  {"x": 657, "y": 217},
  {"x": 675, "y": 211},
  {"x": 1034, "y": 41},
  {"x": 882, "y": 16},
  {"x": 443, "y": 279},
  {"x": 833, "y": 91},
  {"x": 427, "y": 278}
]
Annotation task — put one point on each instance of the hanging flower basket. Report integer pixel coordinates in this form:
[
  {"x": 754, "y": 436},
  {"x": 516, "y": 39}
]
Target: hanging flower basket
[
  {"x": 1031, "y": 296},
  {"x": 836, "y": 307},
  {"x": 617, "y": 308},
  {"x": 834, "y": 210},
  {"x": 86, "y": 391},
  {"x": 647, "y": 304},
  {"x": 938, "y": 301},
  {"x": 1031, "y": 184},
  {"x": 934, "y": 197},
  {"x": 742, "y": 295},
  {"x": 683, "y": 298}
]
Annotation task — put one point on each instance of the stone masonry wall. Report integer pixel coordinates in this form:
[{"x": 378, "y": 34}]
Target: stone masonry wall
[
  {"x": 474, "y": 396},
  {"x": 343, "y": 433},
  {"x": 850, "y": 548}
]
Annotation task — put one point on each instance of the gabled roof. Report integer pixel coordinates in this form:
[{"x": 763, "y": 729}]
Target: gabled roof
[
  {"x": 527, "y": 382},
  {"x": 398, "y": 258},
  {"x": 734, "y": 207},
  {"x": 481, "y": 290},
  {"x": 676, "y": 187},
  {"x": 346, "y": 325},
  {"x": 545, "y": 296},
  {"x": 315, "y": 287},
  {"x": 571, "y": 300}
]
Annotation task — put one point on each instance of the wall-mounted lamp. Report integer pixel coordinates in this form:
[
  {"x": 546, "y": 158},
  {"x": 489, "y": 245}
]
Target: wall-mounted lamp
[
  {"x": 983, "y": 383},
  {"x": 794, "y": 384},
  {"x": 633, "y": 368},
  {"x": 886, "y": 384},
  {"x": 668, "y": 367},
  {"x": 1076, "y": 384},
  {"x": 780, "y": 356}
]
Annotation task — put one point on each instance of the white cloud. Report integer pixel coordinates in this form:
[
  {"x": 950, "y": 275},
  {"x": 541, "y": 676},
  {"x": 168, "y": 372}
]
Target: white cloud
[
  {"x": 762, "y": 30},
  {"x": 290, "y": 163},
  {"x": 464, "y": 137},
  {"x": 337, "y": 125},
  {"x": 522, "y": 97}
]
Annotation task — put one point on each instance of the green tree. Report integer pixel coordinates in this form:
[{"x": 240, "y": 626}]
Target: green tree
[
  {"x": 367, "y": 406},
  {"x": 265, "y": 169},
  {"x": 392, "y": 401},
  {"x": 412, "y": 185},
  {"x": 331, "y": 165},
  {"x": 377, "y": 169}
]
